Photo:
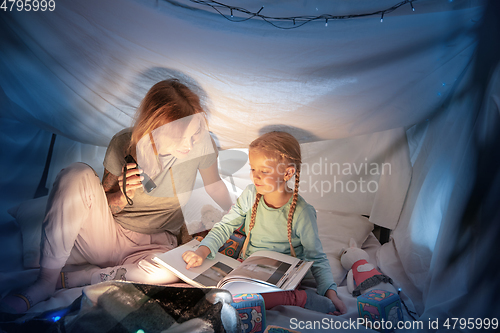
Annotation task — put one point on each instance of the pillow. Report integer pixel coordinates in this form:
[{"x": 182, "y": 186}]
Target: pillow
[
  {"x": 365, "y": 174},
  {"x": 335, "y": 229},
  {"x": 29, "y": 216}
]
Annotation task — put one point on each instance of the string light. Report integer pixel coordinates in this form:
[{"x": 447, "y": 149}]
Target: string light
[
  {"x": 56, "y": 315},
  {"x": 291, "y": 22},
  {"x": 411, "y": 313}
]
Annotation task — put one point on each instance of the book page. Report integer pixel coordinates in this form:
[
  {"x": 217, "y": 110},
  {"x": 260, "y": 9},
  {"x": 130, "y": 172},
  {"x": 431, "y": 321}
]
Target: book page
[
  {"x": 206, "y": 275},
  {"x": 245, "y": 286},
  {"x": 262, "y": 269},
  {"x": 211, "y": 276},
  {"x": 273, "y": 269},
  {"x": 298, "y": 272},
  {"x": 275, "y": 255}
]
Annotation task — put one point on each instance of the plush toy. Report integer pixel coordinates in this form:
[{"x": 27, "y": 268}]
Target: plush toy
[
  {"x": 209, "y": 216},
  {"x": 362, "y": 276}
]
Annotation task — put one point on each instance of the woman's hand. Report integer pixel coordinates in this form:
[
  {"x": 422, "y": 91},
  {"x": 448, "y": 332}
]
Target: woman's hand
[
  {"x": 339, "y": 305},
  {"x": 196, "y": 258},
  {"x": 133, "y": 180}
]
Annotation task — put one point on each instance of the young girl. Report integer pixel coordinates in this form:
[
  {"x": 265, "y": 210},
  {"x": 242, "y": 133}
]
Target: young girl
[{"x": 278, "y": 219}]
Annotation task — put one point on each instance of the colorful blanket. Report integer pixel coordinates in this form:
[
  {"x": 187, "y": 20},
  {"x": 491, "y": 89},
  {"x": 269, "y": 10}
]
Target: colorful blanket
[{"x": 111, "y": 307}]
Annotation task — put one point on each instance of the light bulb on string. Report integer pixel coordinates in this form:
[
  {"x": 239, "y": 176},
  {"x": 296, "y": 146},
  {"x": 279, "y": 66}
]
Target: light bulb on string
[{"x": 215, "y": 5}]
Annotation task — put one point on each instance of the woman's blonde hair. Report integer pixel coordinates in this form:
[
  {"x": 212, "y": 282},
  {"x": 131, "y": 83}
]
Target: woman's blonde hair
[
  {"x": 284, "y": 149},
  {"x": 166, "y": 101}
]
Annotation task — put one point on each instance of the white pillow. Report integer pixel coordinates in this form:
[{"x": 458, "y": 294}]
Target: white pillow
[
  {"x": 29, "y": 216},
  {"x": 365, "y": 175},
  {"x": 335, "y": 230}
]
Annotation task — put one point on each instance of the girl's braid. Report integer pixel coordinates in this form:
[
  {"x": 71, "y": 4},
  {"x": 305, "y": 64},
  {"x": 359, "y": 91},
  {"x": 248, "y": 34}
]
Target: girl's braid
[{"x": 292, "y": 210}]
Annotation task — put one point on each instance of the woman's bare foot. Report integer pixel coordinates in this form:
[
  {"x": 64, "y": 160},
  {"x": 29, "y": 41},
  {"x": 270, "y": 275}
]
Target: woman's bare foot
[{"x": 43, "y": 288}]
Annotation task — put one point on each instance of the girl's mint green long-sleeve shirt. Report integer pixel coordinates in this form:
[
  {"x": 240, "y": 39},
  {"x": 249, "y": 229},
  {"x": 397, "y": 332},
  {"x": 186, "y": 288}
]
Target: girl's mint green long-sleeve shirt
[{"x": 270, "y": 233}]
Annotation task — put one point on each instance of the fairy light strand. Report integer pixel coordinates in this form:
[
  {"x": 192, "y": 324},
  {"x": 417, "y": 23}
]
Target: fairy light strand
[{"x": 292, "y": 21}]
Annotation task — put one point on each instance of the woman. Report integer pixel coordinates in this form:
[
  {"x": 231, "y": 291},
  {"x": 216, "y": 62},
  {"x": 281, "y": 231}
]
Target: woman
[{"x": 114, "y": 228}]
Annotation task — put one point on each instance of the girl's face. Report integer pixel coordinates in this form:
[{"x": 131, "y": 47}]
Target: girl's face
[{"x": 267, "y": 175}]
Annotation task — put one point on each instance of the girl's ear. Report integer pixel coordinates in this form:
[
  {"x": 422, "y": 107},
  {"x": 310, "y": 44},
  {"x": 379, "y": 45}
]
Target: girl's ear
[{"x": 289, "y": 172}]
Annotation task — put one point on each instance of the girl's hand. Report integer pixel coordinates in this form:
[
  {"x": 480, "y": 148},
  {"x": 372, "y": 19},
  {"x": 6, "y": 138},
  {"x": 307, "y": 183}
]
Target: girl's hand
[
  {"x": 133, "y": 180},
  {"x": 195, "y": 258},
  {"x": 339, "y": 305}
]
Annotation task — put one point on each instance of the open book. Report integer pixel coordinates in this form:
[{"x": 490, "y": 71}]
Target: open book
[{"x": 263, "y": 271}]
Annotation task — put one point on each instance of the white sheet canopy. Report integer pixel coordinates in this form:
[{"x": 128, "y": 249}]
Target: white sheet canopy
[{"x": 81, "y": 70}]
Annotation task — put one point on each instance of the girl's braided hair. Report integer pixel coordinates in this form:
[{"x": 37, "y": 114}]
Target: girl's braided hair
[{"x": 284, "y": 149}]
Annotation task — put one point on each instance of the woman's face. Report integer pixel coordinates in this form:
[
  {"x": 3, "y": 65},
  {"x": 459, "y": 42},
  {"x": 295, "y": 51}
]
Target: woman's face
[{"x": 178, "y": 142}]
